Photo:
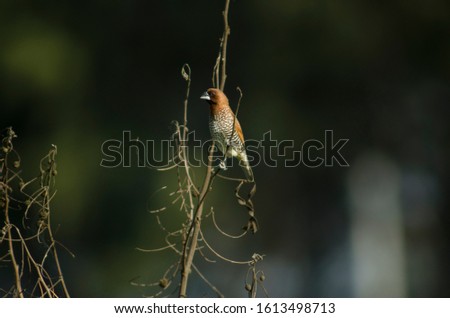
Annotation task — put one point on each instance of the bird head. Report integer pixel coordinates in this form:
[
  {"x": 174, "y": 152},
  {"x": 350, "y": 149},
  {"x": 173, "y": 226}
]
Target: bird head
[{"x": 214, "y": 96}]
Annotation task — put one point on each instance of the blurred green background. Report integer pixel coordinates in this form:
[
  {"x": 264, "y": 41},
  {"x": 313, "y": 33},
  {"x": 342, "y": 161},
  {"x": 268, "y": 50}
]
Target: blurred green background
[{"x": 77, "y": 73}]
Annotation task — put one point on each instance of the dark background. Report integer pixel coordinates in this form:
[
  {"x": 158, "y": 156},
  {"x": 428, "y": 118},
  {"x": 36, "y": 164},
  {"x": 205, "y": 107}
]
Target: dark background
[{"x": 77, "y": 73}]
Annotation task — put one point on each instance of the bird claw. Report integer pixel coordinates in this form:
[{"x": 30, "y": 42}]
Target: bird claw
[{"x": 223, "y": 165}]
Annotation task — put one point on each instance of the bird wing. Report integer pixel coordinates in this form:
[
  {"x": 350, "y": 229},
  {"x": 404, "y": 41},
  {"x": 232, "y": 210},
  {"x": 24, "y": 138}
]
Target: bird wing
[{"x": 238, "y": 129}]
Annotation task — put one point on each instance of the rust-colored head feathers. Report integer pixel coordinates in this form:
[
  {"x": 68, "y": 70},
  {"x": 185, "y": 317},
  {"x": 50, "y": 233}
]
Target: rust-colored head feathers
[{"x": 215, "y": 97}]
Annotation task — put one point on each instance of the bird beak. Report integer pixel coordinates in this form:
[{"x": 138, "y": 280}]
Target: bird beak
[{"x": 205, "y": 96}]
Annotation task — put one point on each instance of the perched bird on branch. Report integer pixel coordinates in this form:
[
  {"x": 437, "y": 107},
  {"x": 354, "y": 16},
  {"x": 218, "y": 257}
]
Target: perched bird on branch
[{"x": 225, "y": 129}]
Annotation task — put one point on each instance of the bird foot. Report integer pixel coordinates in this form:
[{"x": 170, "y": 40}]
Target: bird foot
[{"x": 223, "y": 165}]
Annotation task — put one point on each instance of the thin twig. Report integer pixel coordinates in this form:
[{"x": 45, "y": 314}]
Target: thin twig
[
  {"x": 155, "y": 249},
  {"x": 223, "y": 257},
  {"x": 223, "y": 232},
  {"x": 50, "y": 176},
  {"x": 7, "y": 148},
  {"x": 214, "y": 288},
  {"x": 226, "y": 33}
]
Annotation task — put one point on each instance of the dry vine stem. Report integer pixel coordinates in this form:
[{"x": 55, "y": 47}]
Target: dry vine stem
[
  {"x": 36, "y": 269},
  {"x": 7, "y": 147}
]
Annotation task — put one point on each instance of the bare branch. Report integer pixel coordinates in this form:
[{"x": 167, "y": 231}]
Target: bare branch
[{"x": 226, "y": 33}]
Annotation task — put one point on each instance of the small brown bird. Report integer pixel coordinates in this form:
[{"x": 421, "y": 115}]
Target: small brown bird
[{"x": 221, "y": 121}]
